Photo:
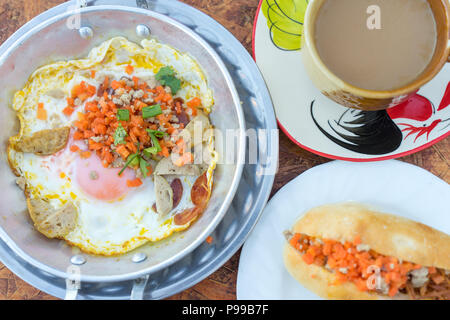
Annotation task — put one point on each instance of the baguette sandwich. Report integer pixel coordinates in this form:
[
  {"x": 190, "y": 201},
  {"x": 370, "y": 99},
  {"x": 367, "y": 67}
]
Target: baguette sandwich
[{"x": 348, "y": 251}]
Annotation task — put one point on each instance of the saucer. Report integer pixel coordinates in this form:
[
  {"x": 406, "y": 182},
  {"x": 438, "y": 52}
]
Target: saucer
[{"x": 320, "y": 125}]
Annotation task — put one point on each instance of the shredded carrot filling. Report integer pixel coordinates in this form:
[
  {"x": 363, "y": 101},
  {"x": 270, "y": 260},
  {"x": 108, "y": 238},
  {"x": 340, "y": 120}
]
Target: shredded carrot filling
[{"x": 350, "y": 263}]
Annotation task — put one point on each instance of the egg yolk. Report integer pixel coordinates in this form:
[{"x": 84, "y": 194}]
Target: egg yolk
[{"x": 100, "y": 182}]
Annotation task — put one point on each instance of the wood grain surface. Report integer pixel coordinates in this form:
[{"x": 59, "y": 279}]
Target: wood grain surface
[{"x": 237, "y": 16}]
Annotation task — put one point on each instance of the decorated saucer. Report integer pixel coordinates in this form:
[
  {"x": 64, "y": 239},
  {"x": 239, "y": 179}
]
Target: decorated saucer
[{"x": 326, "y": 128}]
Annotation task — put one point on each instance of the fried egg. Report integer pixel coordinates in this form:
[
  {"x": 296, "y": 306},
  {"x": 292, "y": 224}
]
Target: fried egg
[{"x": 113, "y": 218}]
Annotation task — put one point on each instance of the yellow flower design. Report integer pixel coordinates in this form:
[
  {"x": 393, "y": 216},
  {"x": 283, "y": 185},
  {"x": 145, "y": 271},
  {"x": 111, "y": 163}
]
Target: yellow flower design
[{"x": 285, "y": 22}]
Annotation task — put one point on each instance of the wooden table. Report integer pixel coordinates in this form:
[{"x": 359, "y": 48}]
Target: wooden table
[{"x": 237, "y": 16}]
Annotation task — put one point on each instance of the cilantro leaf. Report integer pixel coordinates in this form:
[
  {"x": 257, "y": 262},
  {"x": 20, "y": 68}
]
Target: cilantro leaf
[
  {"x": 164, "y": 72},
  {"x": 119, "y": 135},
  {"x": 143, "y": 165},
  {"x": 166, "y": 76},
  {"x": 173, "y": 83}
]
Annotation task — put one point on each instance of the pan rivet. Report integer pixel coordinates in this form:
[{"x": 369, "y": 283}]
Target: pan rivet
[
  {"x": 86, "y": 32},
  {"x": 139, "y": 257},
  {"x": 77, "y": 260},
  {"x": 143, "y": 31}
]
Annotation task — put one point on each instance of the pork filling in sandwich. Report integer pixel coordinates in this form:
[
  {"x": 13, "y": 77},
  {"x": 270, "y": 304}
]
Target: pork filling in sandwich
[{"x": 370, "y": 271}]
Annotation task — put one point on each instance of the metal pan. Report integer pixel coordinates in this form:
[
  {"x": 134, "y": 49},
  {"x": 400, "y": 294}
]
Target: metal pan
[{"x": 46, "y": 39}]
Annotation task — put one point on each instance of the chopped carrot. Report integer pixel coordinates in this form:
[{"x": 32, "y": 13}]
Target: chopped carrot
[
  {"x": 83, "y": 91},
  {"x": 123, "y": 151},
  {"x": 85, "y": 154},
  {"x": 164, "y": 151},
  {"x": 193, "y": 111},
  {"x": 307, "y": 258},
  {"x": 74, "y": 148},
  {"x": 78, "y": 135},
  {"x": 134, "y": 183},
  {"x": 41, "y": 112},
  {"x": 357, "y": 240},
  {"x": 361, "y": 284},
  {"x": 171, "y": 130},
  {"x": 91, "y": 90},
  {"x": 393, "y": 291},
  {"x": 76, "y": 90},
  {"x": 209, "y": 239},
  {"x": 116, "y": 85},
  {"x": 167, "y": 97},
  {"x": 294, "y": 240},
  {"x": 93, "y": 72},
  {"x": 70, "y": 101},
  {"x": 129, "y": 69},
  {"x": 136, "y": 82},
  {"x": 94, "y": 145},
  {"x": 194, "y": 103},
  {"x": 68, "y": 111}
]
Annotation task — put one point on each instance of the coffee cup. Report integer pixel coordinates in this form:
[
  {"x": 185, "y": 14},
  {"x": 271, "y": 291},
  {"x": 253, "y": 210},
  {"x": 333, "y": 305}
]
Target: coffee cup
[{"x": 350, "y": 95}]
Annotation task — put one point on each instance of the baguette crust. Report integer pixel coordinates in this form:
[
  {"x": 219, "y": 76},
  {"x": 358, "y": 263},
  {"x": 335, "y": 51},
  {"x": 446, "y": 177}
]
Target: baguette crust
[{"x": 384, "y": 233}]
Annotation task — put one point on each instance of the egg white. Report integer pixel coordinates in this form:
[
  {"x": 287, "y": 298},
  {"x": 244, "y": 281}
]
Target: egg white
[{"x": 103, "y": 227}]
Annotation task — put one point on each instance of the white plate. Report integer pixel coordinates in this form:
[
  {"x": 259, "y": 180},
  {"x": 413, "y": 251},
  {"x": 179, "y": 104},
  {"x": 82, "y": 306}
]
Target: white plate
[
  {"x": 326, "y": 128},
  {"x": 389, "y": 186}
]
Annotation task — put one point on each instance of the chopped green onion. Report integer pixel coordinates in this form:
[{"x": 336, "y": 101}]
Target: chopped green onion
[
  {"x": 134, "y": 162},
  {"x": 119, "y": 135},
  {"x": 130, "y": 159},
  {"x": 156, "y": 133},
  {"x": 150, "y": 151},
  {"x": 123, "y": 115},
  {"x": 166, "y": 76},
  {"x": 155, "y": 141},
  {"x": 152, "y": 111},
  {"x": 143, "y": 165}
]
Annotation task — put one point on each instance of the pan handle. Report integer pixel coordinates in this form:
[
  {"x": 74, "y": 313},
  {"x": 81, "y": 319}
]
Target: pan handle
[
  {"x": 73, "y": 282},
  {"x": 144, "y": 4},
  {"x": 137, "y": 292},
  {"x": 71, "y": 294}
]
